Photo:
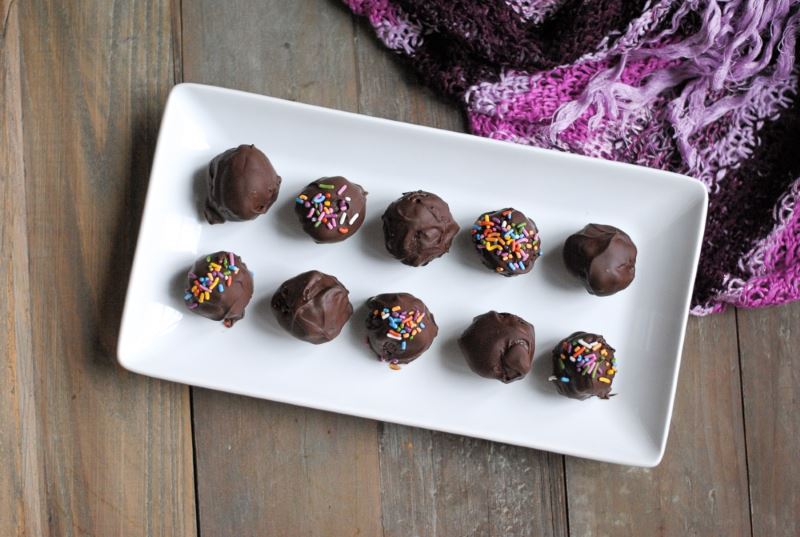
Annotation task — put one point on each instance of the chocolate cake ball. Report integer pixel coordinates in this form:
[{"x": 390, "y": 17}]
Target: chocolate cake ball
[
  {"x": 331, "y": 209},
  {"x": 498, "y": 346},
  {"x": 219, "y": 287},
  {"x": 604, "y": 257},
  {"x": 399, "y": 327},
  {"x": 584, "y": 365},
  {"x": 418, "y": 228},
  {"x": 507, "y": 241},
  {"x": 242, "y": 184},
  {"x": 312, "y": 306}
]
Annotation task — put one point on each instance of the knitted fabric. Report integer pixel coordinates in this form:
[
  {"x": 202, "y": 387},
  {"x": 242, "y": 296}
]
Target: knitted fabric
[{"x": 706, "y": 88}]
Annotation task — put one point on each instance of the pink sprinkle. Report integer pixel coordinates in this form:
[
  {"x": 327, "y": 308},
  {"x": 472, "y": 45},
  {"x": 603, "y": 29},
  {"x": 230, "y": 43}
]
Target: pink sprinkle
[
  {"x": 341, "y": 190},
  {"x": 310, "y": 213},
  {"x": 193, "y": 305},
  {"x": 230, "y": 258}
]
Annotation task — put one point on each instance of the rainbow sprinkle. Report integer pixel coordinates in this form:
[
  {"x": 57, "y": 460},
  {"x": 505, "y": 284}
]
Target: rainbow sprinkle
[
  {"x": 325, "y": 210},
  {"x": 515, "y": 244},
  {"x": 219, "y": 275},
  {"x": 401, "y": 325},
  {"x": 591, "y": 356}
]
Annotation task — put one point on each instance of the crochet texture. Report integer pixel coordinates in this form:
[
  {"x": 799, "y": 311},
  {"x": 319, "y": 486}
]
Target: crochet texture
[{"x": 707, "y": 88}]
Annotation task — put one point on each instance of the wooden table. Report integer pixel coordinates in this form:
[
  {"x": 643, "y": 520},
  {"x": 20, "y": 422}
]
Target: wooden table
[{"x": 87, "y": 448}]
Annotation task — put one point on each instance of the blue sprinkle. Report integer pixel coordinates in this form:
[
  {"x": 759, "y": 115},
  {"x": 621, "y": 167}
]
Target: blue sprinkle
[
  {"x": 221, "y": 288},
  {"x": 232, "y": 267},
  {"x": 521, "y": 265},
  {"x": 422, "y": 325},
  {"x": 403, "y": 345},
  {"x": 298, "y": 200},
  {"x": 187, "y": 296},
  {"x": 564, "y": 379}
]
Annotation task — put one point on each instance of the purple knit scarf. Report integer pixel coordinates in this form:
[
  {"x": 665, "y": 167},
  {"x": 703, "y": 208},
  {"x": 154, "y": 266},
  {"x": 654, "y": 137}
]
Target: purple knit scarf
[{"x": 707, "y": 88}]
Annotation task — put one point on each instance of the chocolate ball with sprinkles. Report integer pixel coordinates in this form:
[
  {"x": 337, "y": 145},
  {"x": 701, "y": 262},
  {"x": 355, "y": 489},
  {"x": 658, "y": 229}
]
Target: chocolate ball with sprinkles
[
  {"x": 312, "y": 306},
  {"x": 242, "y": 184},
  {"x": 331, "y": 209},
  {"x": 584, "y": 365},
  {"x": 418, "y": 228},
  {"x": 219, "y": 287},
  {"x": 399, "y": 327},
  {"x": 507, "y": 241},
  {"x": 499, "y": 346},
  {"x": 603, "y": 257}
]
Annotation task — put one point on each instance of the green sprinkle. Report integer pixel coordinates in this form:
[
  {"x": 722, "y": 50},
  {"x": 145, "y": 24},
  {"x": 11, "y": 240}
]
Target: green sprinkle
[{"x": 326, "y": 186}]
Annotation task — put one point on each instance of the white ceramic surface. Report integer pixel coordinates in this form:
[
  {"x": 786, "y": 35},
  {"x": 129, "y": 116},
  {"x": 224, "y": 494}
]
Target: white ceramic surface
[{"x": 664, "y": 214}]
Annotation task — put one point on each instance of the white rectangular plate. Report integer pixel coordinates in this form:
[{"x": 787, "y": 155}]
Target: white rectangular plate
[{"x": 664, "y": 214}]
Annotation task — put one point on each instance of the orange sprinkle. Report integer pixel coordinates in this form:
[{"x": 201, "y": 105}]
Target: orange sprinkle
[
  {"x": 343, "y": 230},
  {"x": 394, "y": 367}
]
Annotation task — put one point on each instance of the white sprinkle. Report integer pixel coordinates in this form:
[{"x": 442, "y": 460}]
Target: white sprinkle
[
  {"x": 347, "y": 198},
  {"x": 394, "y": 337},
  {"x": 552, "y": 378},
  {"x": 341, "y": 220},
  {"x": 355, "y": 217},
  {"x": 582, "y": 342}
]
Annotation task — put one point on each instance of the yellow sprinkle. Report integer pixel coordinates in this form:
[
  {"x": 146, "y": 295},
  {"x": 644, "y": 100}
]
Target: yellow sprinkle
[
  {"x": 213, "y": 285},
  {"x": 396, "y": 308},
  {"x": 208, "y": 295},
  {"x": 603, "y": 353},
  {"x": 201, "y": 298},
  {"x": 394, "y": 367},
  {"x": 327, "y": 204},
  {"x": 603, "y": 379},
  {"x": 611, "y": 370}
]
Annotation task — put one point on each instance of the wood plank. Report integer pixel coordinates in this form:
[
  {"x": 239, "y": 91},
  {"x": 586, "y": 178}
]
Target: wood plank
[
  {"x": 700, "y": 487},
  {"x": 434, "y": 483},
  {"x": 768, "y": 341},
  {"x": 21, "y": 481},
  {"x": 112, "y": 450},
  {"x": 265, "y": 468}
]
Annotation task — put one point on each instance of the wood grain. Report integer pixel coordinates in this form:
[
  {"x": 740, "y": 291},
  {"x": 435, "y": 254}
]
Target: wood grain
[
  {"x": 769, "y": 340},
  {"x": 434, "y": 483},
  {"x": 104, "y": 452},
  {"x": 264, "y": 468},
  {"x": 21, "y": 480},
  {"x": 700, "y": 488}
]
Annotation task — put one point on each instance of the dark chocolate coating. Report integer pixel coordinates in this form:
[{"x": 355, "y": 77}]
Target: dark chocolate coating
[
  {"x": 506, "y": 254},
  {"x": 331, "y": 227},
  {"x": 604, "y": 257},
  {"x": 418, "y": 228},
  {"x": 581, "y": 373},
  {"x": 227, "y": 305},
  {"x": 499, "y": 346},
  {"x": 312, "y": 306},
  {"x": 242, "y": 184},
  {"x": 385, "y": 345}
]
